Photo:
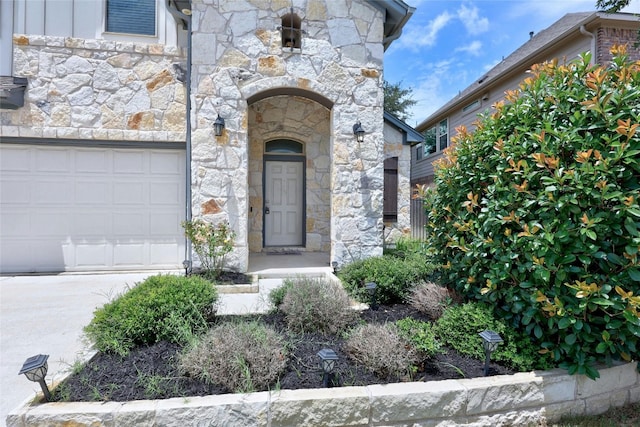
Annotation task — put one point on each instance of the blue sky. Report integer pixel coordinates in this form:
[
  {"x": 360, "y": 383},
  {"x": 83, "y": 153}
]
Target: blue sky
[{"x": 448, "y": 44}]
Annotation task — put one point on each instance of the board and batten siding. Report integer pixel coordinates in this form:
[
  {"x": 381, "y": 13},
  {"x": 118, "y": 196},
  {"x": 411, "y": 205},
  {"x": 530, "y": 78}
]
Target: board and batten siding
[{"x": 83, "y": 19}]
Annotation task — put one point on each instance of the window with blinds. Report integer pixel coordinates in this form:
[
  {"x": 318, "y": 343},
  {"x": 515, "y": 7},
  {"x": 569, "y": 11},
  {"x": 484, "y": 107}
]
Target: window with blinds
[{"x": 131, "y": 17}]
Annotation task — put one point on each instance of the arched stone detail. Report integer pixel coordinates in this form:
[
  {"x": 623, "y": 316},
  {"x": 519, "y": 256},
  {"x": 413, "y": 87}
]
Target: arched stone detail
[{"x": 288, "y": 85}]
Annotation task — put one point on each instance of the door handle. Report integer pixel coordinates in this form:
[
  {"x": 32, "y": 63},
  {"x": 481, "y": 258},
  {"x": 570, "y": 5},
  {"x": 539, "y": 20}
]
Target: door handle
[{"x": 266, "y": 210}]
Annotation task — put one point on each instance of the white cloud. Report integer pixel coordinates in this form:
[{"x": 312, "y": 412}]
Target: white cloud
[
  {"x": 416, "y": 36},
  {"x": 474, "y": 48},
  {"x": 431, "y": 90},
  {"x": 471, "y": 19}
]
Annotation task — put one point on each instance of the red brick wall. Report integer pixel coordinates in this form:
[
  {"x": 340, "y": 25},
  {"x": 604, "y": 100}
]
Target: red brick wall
[{"x": 608, "y": 37}]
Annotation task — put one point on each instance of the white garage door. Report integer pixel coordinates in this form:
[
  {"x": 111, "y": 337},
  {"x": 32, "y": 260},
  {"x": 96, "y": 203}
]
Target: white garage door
[{"x": 90, "y": 209}]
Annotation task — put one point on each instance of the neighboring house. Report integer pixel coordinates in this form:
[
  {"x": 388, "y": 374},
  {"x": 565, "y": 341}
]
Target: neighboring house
[
  {"x": 99, "y": 164},
  {"x": 565, "y": 40}
]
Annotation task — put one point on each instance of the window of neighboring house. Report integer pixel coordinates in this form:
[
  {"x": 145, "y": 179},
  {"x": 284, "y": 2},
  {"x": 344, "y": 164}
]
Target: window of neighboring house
[
  {"x": 443, "y": 134},
  {"x": 430, "y": 138},
  {"x": 131, "y": 17},
  {"x": 436, "y": 138},
  {"x": 473, "y": 106},
  {"x": 419, "y": 151},
  {"x": 390, "y": 205}
]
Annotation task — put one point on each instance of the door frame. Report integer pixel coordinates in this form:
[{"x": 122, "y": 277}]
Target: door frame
[{"x": 303, "y": 223}]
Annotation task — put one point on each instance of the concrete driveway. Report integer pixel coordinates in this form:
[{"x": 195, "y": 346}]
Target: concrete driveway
[{"x": 46, "y": 314}]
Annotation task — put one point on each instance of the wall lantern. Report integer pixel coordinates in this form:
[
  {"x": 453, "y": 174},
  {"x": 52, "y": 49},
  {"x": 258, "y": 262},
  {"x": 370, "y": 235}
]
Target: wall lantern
[
  {"x": 358, "y": 132},
  {"x": 328, "y": 360},
  {"x": 35, "y": 369},
  {"x": 218, "y": 126},
  {"x": 371, "y": 291},
  {"x": 490, "y": 342}
]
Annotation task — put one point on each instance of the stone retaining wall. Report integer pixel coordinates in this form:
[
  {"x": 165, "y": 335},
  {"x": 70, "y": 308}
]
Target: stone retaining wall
[{"x": 533, "y": 398}]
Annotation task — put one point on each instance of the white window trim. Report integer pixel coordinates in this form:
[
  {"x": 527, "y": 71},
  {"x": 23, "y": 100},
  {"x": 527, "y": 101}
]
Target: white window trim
[{"x": 161, "y": 27}]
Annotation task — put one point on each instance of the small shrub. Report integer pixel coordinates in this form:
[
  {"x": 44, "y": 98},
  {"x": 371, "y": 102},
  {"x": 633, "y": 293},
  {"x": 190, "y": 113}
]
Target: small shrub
[
  {"x": 163, "y": 307},
  {"x": 430, "y": 299},
  {"x": 394, "y": 277},
  {"x": 317, "y": 305},
  {"x": 243, "y": 357},
  {"x": 276, "y": 296},
  {"x": 380, "y": 349},
  {"x": 459, "y": 326},
  {"x": 420, "y": 334},
  {"x": 211, "y": 243}
]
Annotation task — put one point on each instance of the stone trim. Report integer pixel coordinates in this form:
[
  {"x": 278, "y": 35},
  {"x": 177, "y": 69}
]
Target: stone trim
[
  {"x": 98, "y": 45},
  {"x": 531, "y": 398}
]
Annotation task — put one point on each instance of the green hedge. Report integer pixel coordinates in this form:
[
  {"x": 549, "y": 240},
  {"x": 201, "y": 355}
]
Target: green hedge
[
  {"x": 393, "y": 276},
  {"x": 536, "y": 212},
  {"x": 163, "y": 307}
]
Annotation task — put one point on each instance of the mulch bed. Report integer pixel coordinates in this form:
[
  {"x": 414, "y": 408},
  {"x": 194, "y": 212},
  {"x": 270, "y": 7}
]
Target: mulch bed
[{"x": 149, "y": 372}]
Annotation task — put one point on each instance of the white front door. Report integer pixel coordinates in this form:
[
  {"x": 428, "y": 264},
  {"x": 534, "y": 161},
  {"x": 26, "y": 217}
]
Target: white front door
[{"x": 283, "y": 208}]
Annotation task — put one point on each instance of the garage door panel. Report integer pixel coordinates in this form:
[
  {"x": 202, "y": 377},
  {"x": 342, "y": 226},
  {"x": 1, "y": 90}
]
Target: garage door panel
[
  {"x": 165, "y": 163},
  {"x": 92, "y": 161},
  {"x": 93, "y": 193},
  {"x": 162, "y": 254},
  {"x": 16, "y": 159},
  {"x": 83, "y": 209},
  {"x": 164, "y": 193},
  {"x": 93, "y": 255},
  {"x": 129, "y": 224},
  {"x": 129, "y": 193},
  {"x": 14, "y": 224},
  {"x": 129, "y": 161},
  {"x": 165, "y": 224},
  {"x": 15, "y": 192},
  {"x": 51, "y": 192},
  {"x": 51, "y": 224},
  {"x": 53, "y": 160},
  {"x": 90, "y": 224},
  {"x": 132, "y": 254}
]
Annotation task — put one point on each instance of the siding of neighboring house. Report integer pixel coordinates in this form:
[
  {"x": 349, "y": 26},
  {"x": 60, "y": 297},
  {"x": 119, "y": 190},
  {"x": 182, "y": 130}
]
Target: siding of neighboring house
[{"x": 564, "y": 41}]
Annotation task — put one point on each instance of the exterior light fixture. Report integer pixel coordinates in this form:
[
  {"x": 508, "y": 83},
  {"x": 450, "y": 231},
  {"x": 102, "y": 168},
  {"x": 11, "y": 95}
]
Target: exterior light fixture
[
  {"x": 218, "y": 126},
  {"x": 35, "y": 369},
  {"x": 334, "y": 265},
  {"x": 490, "y": 342},
  {"x": 328, "y": 360},
  {"x": 358, "y": 132},
  {"x": 371, "y": 291},
  {"x": 187, "y": 266}
]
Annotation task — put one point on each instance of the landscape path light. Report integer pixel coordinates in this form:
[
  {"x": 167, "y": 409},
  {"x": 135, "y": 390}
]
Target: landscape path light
[
  {"x": 328, "y": 359},
  {"x": 35, "y": 369},
  {"x": 371, "y": 291},
  {"x": 490, "y": 342}
]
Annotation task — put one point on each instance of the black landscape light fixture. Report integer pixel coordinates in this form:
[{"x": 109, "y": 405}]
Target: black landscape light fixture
[
  {"x": 358, "y": 132},
  {"x": 371, "y": 291},
  {"x": 328, "y": 360},
  {"x": 35, "y": 369},
  {"x": 187, "y": 266},
  {"x": 218, "y": 126},
  {"x": 334, "y": 265},
  {"x": 490, "y": 342}
]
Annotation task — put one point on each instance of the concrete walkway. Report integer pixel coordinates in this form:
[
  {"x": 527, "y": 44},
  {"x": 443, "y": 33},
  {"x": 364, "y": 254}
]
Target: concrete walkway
[{"x": 46, "y": 314}]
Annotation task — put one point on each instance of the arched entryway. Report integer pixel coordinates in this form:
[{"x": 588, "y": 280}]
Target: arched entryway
[{"x": 289, "y": 174}]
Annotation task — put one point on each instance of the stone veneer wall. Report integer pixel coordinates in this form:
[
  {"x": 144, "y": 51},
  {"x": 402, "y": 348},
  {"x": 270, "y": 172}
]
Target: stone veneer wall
[
  {"x": 305, "y": 121},
  {"x": 238, "y": 57},
  {"x": 525, "y": 399},
  {"x": 96, "y": 90}
]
